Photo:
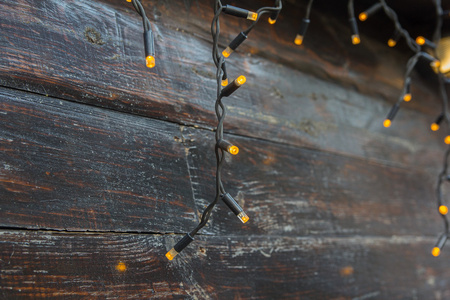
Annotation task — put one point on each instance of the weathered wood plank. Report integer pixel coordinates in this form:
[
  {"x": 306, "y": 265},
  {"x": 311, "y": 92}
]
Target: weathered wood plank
[
  {"x": 290, "y": 191},
  {"x": 278, "y": 103},
  {"x": 70, "y": 166},
  {"x": 43, "y": 264},
  {"x": 76, "y": 167}
]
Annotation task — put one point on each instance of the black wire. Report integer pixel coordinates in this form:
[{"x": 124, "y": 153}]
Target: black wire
[
  {"x": 140, "y": 10},
  {"x": 308, "y": 9},
  {"x": 351, "y": 9},
  {"x": 393, "y": 16}
]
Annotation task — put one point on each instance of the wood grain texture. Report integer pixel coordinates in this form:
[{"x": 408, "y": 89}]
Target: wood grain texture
[
  {"x": 68, "y": 166},
  {"x": 48, "y": 265},
  {"x": 290, "y": 191},
  {"x": 91, "y": 52}
]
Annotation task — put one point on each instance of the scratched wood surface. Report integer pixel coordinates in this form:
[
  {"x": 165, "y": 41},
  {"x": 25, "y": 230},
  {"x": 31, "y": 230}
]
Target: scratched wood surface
[
  {"x": 91, "y": 52},
  {"x": 111, "y": 266},
  {"x": 291, "y": 191},
  {"x": 68, "y": 166},
  {"x": 106, "y": 171},
  {"x": 105, "y": 163}
]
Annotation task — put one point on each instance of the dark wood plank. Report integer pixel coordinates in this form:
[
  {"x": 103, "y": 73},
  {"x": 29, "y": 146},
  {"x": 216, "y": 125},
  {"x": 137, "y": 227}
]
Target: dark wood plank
[
  {"x": 70, "y": 166},
  {"x": 76, "y": 167},
  {"x": 43, "y": 264},
  {"x": 290, "y": 191},
  {"x": 278, "y": 103}
]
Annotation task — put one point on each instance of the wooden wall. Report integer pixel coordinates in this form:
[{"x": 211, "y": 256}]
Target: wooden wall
[{"x": 105, "y": 164}]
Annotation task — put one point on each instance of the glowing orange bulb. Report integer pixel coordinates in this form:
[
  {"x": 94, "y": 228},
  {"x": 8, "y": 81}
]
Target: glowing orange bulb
[
  {"x": 128, "y": 0},
  {"x": 363, "y": 16},
  {"x": 233, "y": 149},
  {"x": 241, "y": 80},
  {"x": 150, "y": 61},
  {"x": 435, "y": 64},
  {"x": 436, "y": 251},
  {"x": 447, "y": 140},
  {"x": 225, "y": 82},
  {"x": 298, "y": 39},
  {"x": 391, "y": 43},
  {"x": 434, "y": 127},
  {"x": 443, "y": 210},
  {"x": 245, "y": 219},
  {"x": 420, "y": 40},
  {"x": 171, "y": 254},
  {"x": 407, "y": 97},
  {"x": 227, "y": 52},
  {"x": 121, "y": 267},
  {"x": 387, "y": 123},
  {"x": 355, "y": 39},
  {"x": 271, "y": 22},
  {"x": 252, "y": 16}
]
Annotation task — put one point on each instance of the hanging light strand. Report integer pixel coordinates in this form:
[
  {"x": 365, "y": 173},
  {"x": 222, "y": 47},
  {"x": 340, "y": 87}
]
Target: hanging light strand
[
  {"x": 149, "y": 46},
  {"x": 415, "y": 45},
  {"x": 224, "y": 89}
]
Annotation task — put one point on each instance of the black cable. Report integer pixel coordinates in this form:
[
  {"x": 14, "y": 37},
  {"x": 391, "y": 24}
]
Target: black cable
[{"x": 140, "y": 10}]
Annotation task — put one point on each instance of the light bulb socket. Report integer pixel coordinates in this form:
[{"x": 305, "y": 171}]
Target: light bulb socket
[
  {"x": 354, "y": 26},
  {"x": 304, "y": 27},
  {"x": 428, "y": 57},
  {"x": 227, "y": 146},
  {"x": 239, "y": 12},
  {"x": 439, "y": 119},
  {"x": 149, "y": 46},
  {"x": 393, "y": 111},
  {"x": 408, "y": 85},
  {"x": 273, "y": 17},
  {"x": 231, "y": 87},
  {"x": 441, "y": 242},
  {"x": 183, "y": 243},
  {"x": 232, "y": 204},
  {"x": 239, "y": 39}
]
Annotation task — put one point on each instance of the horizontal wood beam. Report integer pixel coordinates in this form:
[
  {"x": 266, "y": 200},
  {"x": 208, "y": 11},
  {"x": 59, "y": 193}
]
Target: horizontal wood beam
[
  {"x": 68, "y": 166},
  {"x": 43, "y": 264}
]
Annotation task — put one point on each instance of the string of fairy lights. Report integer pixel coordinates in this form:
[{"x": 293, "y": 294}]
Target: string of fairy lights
[
  {"x": 149, "y": 46},
  {"x": 420, "y": 46},
  {"x": 225, "y": 89},
  {"x": 423, "y": 49}
]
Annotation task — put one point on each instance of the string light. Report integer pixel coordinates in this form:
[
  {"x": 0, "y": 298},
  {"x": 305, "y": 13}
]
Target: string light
[
  {"x": 435, "y": 125},
  {"x": 369, "y": 12},
  {"x": 236, "y": 42},
  {"x": 392, "y": 42},
  {"x": 420, "y": 40},
  {"x": 415, "y": 46},
  {"x": 353, "y": 25},
  {"x": 274, "y": 15},
  {"x": 229, "y": 147},
  {"x": 304, "y": 26},
  {"x": 407, "y": 96},
  {"x": 224, "y": 89},
  {"x": 149, "y": 46},
  {"x": 239, "y": 12}
]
